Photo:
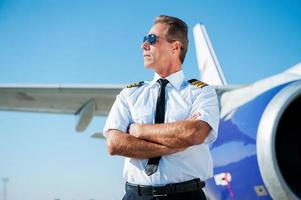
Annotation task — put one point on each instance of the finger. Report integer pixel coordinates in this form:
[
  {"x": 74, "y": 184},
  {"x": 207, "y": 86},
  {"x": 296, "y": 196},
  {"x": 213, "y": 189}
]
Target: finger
[{"x": 195, "y": 116}]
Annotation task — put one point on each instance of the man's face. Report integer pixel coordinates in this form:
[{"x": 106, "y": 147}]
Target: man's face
[{"x": 157, "y": 56}]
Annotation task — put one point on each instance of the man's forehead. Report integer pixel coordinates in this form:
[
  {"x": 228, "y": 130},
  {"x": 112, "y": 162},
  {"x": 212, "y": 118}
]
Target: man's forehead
[{"x": 158, "y": 28}]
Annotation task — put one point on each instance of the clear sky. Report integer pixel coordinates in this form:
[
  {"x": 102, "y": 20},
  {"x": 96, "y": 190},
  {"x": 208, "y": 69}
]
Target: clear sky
[{"x": 72, "y": 41}]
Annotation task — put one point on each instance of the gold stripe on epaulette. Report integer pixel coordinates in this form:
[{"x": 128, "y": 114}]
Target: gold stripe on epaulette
[
  {"x": 197, "y": 83},
  {"x": 135, "y": 84}
]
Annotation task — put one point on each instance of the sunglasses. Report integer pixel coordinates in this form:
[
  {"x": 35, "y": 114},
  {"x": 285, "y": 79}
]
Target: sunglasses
[{"x": 151, "y": 39}]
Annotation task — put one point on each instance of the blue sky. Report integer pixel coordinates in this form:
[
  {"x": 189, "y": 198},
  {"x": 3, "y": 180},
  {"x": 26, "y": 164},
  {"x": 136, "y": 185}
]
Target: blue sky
[{"x": 71, "y": 41}]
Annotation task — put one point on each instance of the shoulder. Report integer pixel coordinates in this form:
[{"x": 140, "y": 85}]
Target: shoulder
[
  {"x": 135, "y": 85},
  {"x": 200, "y": 88},
  {"x": 133, "y": 88},
  {"x": 197, "y": 83}
]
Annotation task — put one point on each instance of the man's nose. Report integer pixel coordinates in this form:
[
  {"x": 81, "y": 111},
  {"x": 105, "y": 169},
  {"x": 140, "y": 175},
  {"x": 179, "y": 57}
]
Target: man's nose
[{"x": 145, "y": 45}]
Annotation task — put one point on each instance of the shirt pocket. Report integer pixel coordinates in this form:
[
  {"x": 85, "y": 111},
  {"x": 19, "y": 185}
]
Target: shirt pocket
[
  {"x": 178, "y": 110},
  {"x": 143, "y": 115}
]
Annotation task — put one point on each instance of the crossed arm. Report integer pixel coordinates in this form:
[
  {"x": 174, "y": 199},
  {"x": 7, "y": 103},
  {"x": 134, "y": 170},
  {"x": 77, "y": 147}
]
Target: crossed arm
[
  {"x": 152, "y": 140},
  {"x": 181, "y": 134}
]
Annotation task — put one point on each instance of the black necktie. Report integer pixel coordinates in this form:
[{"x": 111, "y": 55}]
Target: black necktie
[{"x": 152, "y": 164}]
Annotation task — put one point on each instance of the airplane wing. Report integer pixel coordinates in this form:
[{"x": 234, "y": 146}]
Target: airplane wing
[{"x": 82, "y": 100}]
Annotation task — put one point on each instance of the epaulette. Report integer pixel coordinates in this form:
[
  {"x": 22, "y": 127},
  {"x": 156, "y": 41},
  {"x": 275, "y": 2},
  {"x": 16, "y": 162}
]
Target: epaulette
[
  {"x": 197, "y": 83},
  {"x": 135, "y": 84}
]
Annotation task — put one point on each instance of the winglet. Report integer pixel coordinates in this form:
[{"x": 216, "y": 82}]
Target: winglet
[{"x": 210, "y": 69}]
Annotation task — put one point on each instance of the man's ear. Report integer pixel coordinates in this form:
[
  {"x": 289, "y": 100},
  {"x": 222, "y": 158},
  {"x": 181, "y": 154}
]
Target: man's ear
[{"x": 176, "y": 46}]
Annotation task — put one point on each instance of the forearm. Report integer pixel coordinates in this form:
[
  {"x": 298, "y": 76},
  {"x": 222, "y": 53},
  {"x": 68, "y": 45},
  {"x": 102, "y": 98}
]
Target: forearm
[
  {"x": 123, "y": 144},
  {"x": 181, "y": 134}
]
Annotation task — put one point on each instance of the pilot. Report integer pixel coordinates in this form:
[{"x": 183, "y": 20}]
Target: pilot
[{"x": 164, "y": 127}]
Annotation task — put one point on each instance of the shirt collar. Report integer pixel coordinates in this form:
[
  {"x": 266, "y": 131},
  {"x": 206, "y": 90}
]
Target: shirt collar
[{"x": 176, "y": 79}]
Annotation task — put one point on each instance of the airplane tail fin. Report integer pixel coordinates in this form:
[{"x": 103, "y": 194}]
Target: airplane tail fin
[{"x": 210, "y": 69}]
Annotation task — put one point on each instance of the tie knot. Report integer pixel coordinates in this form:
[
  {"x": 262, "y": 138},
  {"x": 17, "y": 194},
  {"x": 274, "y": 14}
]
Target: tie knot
[{"x": 163, "y": 82}]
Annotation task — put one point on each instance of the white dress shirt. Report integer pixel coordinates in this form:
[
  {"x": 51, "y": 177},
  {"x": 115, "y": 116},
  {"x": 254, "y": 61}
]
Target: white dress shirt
[{"x": 183, "y": 100}]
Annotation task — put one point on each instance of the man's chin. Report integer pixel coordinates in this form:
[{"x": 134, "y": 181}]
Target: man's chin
[{"x": 148, "y": 65}]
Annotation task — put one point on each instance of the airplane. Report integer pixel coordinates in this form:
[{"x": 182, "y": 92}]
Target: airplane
[{"x": 257, "y": 152}]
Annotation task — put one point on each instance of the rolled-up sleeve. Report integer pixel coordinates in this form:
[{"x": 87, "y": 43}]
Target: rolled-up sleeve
[
  {"x": 207, "y": 107},
  {"x": 119, "y": 116}
]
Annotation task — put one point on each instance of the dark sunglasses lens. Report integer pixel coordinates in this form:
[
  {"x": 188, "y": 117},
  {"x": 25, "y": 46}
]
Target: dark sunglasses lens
[{"x": 152, "y": 38}]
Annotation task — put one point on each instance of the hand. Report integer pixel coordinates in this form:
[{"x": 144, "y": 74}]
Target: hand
[{"x": 133, "y": 130}]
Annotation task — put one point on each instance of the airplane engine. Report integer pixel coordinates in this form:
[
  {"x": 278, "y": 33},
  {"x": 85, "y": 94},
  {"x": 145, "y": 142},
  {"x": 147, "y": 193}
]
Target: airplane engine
[
  {"x": 258, "y": 152},
  {"x": 279, "y": 144}
]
